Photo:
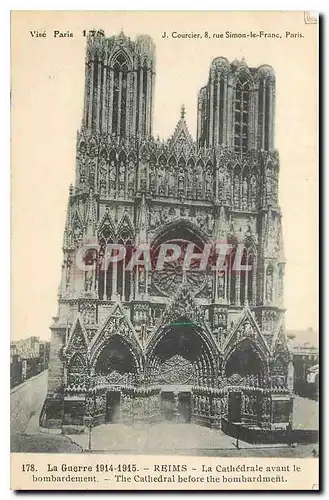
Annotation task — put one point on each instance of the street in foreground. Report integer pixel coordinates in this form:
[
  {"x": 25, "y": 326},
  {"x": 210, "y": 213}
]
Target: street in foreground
[{"x": 164, "y": 438}]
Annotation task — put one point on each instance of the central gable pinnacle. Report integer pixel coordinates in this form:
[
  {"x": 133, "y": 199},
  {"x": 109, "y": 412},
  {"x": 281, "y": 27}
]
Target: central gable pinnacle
[
  {"x": 182, "y": 305},
  {"x": 181, "y": 133}
]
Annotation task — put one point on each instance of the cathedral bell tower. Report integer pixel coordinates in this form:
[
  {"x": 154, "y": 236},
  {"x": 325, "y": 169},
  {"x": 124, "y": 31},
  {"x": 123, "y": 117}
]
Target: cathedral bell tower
[
  {"x": 119, "y": 85},
  {"x": 236, "y": 107}
]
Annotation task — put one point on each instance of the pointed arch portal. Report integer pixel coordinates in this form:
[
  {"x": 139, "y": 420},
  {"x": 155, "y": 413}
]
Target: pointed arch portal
[
  {"x": 115, "y": 369},
  {"x": 180, "y": 358},
  {"x": 181, "y": 355},
  {"x": 114, "y": 357},
  {"x": 244, "y": 361}
]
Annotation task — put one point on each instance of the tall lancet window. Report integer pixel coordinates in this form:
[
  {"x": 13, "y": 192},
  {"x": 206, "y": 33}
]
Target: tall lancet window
[
  {"x": 264, "y": 113},
  {"x": 123, "y": 106},
  {"x": 267, "y": 117},
  {"x": 115, "y": 98},
  {"x": 218, "y": 109},
  {"x": 220, "y": 84},
  {"x": 95, "y": 90},
  {"x": 241, "y": 115},
  {"x": 248, "y": 274},
  {"x": 144, "y": 97},
  {"x": 120, "y": 96}
]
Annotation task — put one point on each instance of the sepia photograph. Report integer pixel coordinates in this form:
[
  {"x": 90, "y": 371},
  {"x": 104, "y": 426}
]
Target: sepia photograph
[{"x": 164, "y": 240}]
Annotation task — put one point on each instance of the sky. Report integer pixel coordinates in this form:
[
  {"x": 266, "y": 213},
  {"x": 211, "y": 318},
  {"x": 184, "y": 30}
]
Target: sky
[{"x": 47, "y": 103}]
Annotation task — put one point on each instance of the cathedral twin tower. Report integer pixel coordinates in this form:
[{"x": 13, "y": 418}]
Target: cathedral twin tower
[
  {"x": 122, "y": 334},
  {"x": 235, "y": 108},
  {"x": 119, "y": 85}
]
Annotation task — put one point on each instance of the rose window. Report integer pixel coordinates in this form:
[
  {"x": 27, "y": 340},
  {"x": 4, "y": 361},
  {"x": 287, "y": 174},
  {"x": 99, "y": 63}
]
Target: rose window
[
  {"x": 172, "y": 274},
  {"x": 177, "y": 370}
]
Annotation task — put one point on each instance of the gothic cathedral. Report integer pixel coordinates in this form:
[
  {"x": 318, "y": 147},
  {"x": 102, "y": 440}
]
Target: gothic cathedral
[{"x": 147, "y": 345}]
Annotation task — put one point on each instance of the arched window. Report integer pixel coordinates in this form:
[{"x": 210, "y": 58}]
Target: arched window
[
  {"x": 267, "y": 118},
  {"x": 144, "y": 95},
  {"x": 241, "y": 115},
  {"x": 120, "y": 96},
  {"x": 95, "y": 90},
  {"x": 115, "y": 109},
  {"x": 123, "y": 104},
  {"x": 227, "y": 280},
  {"x": 219, "y": 109},
  {"x": 247, "y": 275},
  {"x": 104, "y": 268},
  {"x": 264, "y": 113},
  {"x": 124, "y": 277},
  {"x": 143, "y": 98}
]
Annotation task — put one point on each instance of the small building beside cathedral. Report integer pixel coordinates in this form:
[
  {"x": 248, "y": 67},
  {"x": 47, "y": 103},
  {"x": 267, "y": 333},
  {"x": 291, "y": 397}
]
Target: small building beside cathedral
[{"x": 147, "y": 344}]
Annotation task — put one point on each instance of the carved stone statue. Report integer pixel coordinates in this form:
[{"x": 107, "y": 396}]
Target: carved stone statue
[
  {"x": 77, "y": 233},
  {"x": 154, "y": 219},
  {"x": 122, "y": 169},
  {"x": 152, "y": 179},
  {"x": 199, "y": 179},
  {"x": 236, "y": 193},
  {"x": 189, "y": 183},
  {"x": 280, "y": 284},
  {"x": 269, "y": 186},
  {"x": 253, "y": 192},
  {"x": 113, "y": 176},
  {"x": 142, "y": 283},
  {"x": 161, "y": 179},
  {"x": 274, "y": 188},
  {"x": 171, "y": 180},
  {"x": 81, "y": 160},
  {"x": 221, "y": 183},
  {"x": 181, "y": 179},
  {"x": 228, "y": 187},
  {"x": 102, "y": 176},
  {"x": 88, "y": 283},
  {"x": 92, "y": 171},
  {"x": 244, "y": 194},
  {"x": 209, "y": 183},
  {"x": 221, "y": 283},
  {"x": 248, "y": 330},
  {"x": 131, "y": 178}
]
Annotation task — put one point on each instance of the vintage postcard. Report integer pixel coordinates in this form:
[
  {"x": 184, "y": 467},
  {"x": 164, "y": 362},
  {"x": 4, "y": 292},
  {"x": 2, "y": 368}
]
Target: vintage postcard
[{"x": 164, "y": 241}]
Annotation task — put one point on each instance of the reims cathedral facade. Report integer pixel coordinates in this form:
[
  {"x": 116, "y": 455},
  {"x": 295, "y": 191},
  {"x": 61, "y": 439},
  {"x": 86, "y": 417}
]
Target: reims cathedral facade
[{"x": 183, "y": 345}]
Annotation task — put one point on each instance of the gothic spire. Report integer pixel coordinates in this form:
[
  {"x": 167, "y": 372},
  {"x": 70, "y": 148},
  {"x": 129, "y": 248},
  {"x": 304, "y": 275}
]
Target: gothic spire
[{"x": 181, "y": 132}]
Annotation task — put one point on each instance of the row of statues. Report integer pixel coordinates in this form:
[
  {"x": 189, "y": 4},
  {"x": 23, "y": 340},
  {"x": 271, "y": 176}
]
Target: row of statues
[{"x": 117, "y": 178}]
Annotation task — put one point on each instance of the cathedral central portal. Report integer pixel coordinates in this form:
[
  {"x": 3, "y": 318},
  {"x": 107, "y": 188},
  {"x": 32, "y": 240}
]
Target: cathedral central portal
[{"x": 129, "y": 387}]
